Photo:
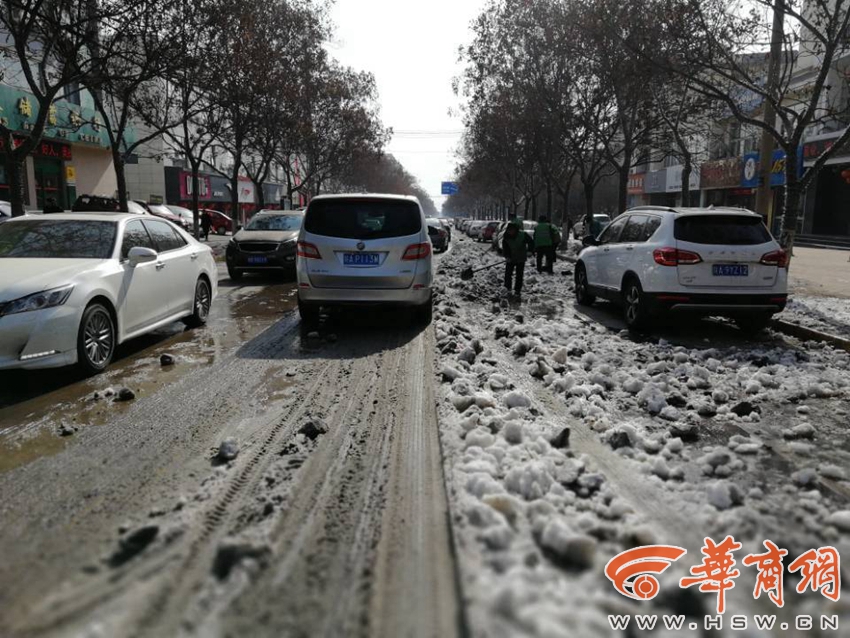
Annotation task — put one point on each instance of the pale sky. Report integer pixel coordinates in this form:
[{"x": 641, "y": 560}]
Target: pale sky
[{"x": 411, "y": 47}]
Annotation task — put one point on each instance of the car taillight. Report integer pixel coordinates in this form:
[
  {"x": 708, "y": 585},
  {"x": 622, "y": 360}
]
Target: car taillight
[
  {"x": 308, "y": 250},
  {"x": 417, "y": 251},
  {"x": 675, "y": 257},
  {"x": 778, "y": 258}
]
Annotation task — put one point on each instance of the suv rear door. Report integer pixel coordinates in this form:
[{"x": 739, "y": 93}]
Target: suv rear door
[
  {"x": 730, "y": 247},
  {"x": 361, "y": 242}
]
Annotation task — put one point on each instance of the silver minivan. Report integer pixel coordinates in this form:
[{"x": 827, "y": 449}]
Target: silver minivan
[{"x": 364, "y": 250}]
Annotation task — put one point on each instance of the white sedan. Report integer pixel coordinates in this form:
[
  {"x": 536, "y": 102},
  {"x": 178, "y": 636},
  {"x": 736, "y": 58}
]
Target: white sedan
[{"x": 75, "y": 285}]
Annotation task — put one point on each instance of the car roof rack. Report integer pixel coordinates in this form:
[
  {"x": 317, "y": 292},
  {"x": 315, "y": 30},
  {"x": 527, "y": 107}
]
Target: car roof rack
[{"x": 651, "y": 207}]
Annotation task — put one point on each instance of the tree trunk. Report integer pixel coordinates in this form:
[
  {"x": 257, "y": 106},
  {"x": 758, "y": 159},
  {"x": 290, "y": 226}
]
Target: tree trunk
[
  {"x": 196, "y": 197},
  {"x": 120, "y": 178},
  {"x": 14, "y": 175},
  {"x": 687, "y": 168},
  {"x": 792, "y": 204},
  {"x": 623, "y": 186},
  {"x": 261, "y": 196},
  {"x": 234, "y": 199},
  {"x": 588, "y": 200},
  {"x": 549, "y": 213}
]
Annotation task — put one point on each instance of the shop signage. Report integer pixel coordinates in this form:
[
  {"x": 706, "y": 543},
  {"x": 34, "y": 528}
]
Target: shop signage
[
  {"x": 246, "y": 191},
  {"x": 204, "y": 188},
  {"x": 46, "y": 148},
  {"x": 750, "y": 168},
  {"x": 814, "y": 149},
  {"x": 635, "y": 184},
  {"x": 655, "y": 182},
  {"x": 724, "y": 173},
  {"x": 65, "y": 121},
  {"x": 674, "y": 179},
  {"x": 156, "y": 199},
  {"x": 70, "y": 175}
]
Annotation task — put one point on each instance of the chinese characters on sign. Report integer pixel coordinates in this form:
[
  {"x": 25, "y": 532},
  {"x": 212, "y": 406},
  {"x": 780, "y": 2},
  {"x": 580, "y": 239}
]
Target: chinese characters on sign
[{"x": 631, "y": 572}]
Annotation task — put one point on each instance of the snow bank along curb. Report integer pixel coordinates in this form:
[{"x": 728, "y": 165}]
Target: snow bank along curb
[
  {"x": 558, "y": 433},
  {"x": 802, "y": 332}
]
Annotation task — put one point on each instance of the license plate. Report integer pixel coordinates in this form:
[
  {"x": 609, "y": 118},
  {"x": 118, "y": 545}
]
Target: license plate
[
  {"x": 258, "y": 260},
  {"x": 361, "y": 259},
  {"x": 730, "y": 270}
]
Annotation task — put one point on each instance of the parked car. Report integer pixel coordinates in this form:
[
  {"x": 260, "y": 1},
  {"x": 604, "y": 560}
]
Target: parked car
[
  {"x": 73, "y": 286},
  {"x": 475, "y": 229},
  {"x": 444, "y": 224},
  {"x": 364, "y": 250},
  {"x": 5, "y": 211},
  {"x": 220, "y": 224},
  {"x": 438, "y": 236},
  {"x": 707, "y": 261},
  {"x": 163, "y": 212},
  {"x": 266, "y": 243},
  {"x": 95, "y": 203},
  {"x": 187, "y": 217},
  {"x": 487, "y": 232},
  {"x": 136, "y": 208},
  {"x": 598, "y": 223},
  {"x": 498, "y": 236}
]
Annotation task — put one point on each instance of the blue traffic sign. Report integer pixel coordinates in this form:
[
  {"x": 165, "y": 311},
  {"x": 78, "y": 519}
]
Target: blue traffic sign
[{"x": 449, "y": 188}]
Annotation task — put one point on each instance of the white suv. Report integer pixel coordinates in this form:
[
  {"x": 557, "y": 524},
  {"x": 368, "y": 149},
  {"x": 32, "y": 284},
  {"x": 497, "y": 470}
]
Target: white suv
[
  {"x": 709, "y": 261},
  {"x": 364, "y": 250}
]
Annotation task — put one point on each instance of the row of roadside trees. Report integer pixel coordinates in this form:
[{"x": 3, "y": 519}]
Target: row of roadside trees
[
  {"x": 248, "y": 80},
  {"x": 565, "y": 94}
]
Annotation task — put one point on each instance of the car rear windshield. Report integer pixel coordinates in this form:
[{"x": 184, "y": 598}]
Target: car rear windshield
[
  {"x": 58, "y": 239},
  {"x": 275, "y": 222},
  {"x": 734, "y": 230},
  {"x": 363, "y": 218}
]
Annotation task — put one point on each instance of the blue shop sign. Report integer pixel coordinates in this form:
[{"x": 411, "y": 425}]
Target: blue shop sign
[{"x": 750, "y": 168}]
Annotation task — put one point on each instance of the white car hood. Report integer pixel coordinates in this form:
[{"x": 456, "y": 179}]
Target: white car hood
[{"x": 21, "y": 277}]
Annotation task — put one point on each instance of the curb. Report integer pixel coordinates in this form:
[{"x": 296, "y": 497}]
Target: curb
[{"x": 810, "y": 334}]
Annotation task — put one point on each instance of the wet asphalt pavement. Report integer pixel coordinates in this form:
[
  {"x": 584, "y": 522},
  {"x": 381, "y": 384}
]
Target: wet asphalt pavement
[{"x": 121, "y": 519}]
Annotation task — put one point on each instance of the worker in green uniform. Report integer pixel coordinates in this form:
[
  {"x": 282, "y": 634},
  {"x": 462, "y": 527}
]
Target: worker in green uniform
[
  {"x": 515, "y": 247},
  {"x": 546, "y": 239}
]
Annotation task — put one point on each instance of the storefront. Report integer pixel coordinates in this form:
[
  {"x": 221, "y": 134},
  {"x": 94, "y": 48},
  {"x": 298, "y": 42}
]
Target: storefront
[
  {"x": 720, "y": 183},
  {"x": 212, "y": 189},
  {"x": 634, "y": 190},
  {"x": 751, "y": 177},
  {"x": 674, "y": 186},
  {"x": 72, "y": 158},
  {"x": 827, "y": 206},
  {"x": 655, "y": 186}
]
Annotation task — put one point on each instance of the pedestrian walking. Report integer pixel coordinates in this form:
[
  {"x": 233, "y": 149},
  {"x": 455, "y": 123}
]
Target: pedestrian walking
[
  {"x": 206, "y": 222},
  {"x": 515, "y": 247},
  {"x": 545, "y": 243}
]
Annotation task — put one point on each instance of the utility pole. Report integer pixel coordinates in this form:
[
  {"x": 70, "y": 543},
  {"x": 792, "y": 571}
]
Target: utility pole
[{"x": 764, "y": 193}]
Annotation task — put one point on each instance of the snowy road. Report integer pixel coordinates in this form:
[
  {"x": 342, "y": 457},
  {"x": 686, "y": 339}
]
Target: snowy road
[
  {"x": 332, "y": 520},
  {"x": 568, "y": 441}
]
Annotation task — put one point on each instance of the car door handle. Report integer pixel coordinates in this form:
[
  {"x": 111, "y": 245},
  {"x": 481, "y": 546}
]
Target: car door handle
[
  {"x": 194, "y": 256},
  {"x": 606, "y": 249},
  {"x": 160, "y": 266},
  {"x": 630, "y": 247}
]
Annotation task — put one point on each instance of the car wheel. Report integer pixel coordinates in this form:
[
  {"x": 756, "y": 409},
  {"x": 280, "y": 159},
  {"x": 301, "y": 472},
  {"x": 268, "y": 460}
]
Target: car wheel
[
  {"x": 234, "y": 274},
  {"x": 201, "y": 306},
  {"x": 424, "y": 314},
  {"x": 634, "y": 305},
  {"x": 309, "y": 313},
  {"x": 583, "y": 295},
  {"x": 95, "y": 339},
  {"x": 221, "y": 230},
  {"x": 753, "y": 324}
]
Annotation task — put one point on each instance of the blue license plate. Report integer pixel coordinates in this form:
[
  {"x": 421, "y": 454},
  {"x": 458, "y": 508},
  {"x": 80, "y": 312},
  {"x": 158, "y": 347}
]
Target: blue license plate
[
  {"x": 361, "y": 259},
  {"x": 258, "y": 260},
  {"x": 730, "y": 270}
]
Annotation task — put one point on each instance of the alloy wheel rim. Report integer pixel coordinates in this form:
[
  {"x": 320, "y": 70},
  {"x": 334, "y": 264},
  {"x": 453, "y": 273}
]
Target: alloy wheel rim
[
  {"x": 632, "y": 303},
  {"x": 98, "y": 339},
  {"x": 202, "y": 300}
]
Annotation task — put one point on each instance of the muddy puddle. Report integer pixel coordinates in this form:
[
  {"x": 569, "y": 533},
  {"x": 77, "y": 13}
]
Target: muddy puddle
[{"x": 36, "y": 405}]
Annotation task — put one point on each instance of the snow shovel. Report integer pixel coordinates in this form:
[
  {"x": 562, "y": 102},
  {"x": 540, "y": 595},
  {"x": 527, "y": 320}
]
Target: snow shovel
[{"x": 467, "y": 273}]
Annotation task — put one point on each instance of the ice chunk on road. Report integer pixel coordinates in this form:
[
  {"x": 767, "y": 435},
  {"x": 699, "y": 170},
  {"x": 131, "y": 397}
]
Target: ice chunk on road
[
  {"x": 531, "y": 480},
  {"x": 516, "y": 399}
]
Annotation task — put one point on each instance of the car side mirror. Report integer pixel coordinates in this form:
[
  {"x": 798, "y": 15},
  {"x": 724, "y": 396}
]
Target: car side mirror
[
  {"x": 238, "y": 227},
  {"x": 589, "y": 240},
  {"x": 141, "y": 255}
]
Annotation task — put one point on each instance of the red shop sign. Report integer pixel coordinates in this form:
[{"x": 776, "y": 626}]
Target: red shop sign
[{"x": 46, "y": 148}]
